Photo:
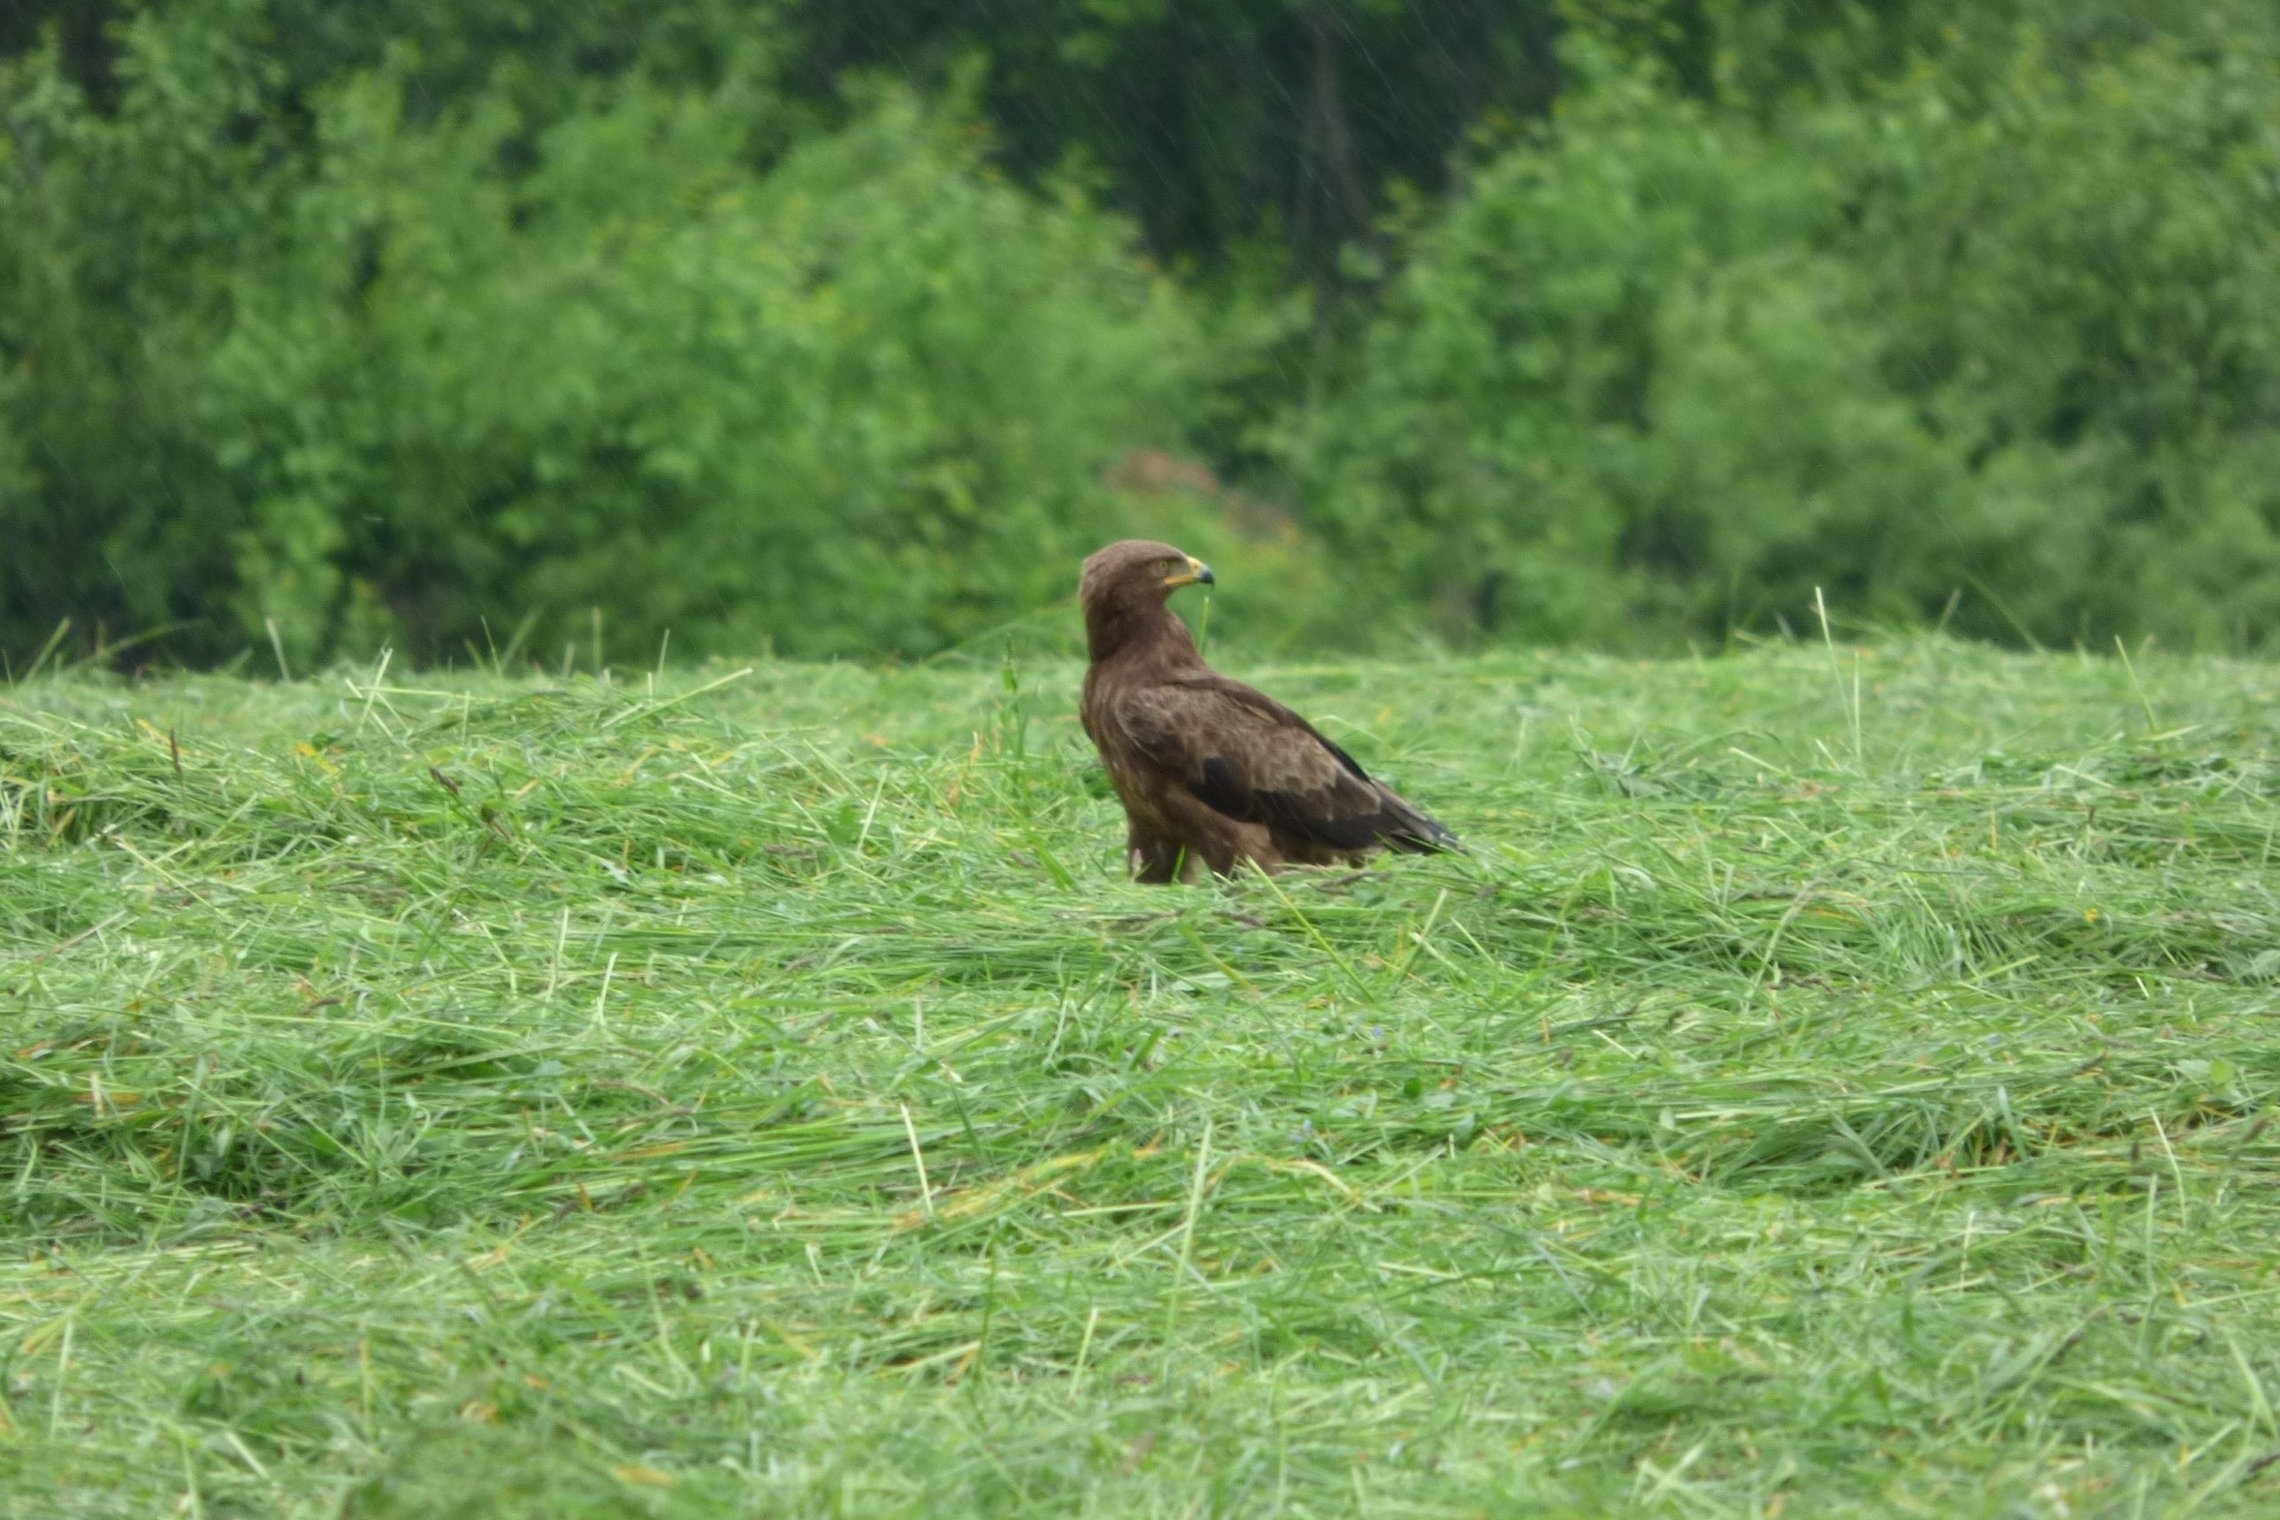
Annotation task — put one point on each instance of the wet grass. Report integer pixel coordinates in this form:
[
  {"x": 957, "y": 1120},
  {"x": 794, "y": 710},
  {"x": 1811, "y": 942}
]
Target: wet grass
[{"x": 759, "y": 1094}]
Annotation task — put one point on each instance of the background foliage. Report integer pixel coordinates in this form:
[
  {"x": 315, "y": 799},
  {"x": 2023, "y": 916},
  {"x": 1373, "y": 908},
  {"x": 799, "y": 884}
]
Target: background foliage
[
  {"x": 848, "y": 328},
  {"x": 2010, "y": 334}
]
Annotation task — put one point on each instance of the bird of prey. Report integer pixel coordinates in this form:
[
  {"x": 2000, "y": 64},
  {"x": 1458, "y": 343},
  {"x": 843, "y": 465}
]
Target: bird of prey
[{"x": 1211, "y": 772}]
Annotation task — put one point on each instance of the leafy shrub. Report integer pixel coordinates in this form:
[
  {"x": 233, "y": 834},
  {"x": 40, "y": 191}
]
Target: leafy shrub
[
  {"x": 115, "y": 238},
  {"x": 451, "y": 324},
  {"x": 1668, "y": 366},
  {"x": 430, "y": 380}
]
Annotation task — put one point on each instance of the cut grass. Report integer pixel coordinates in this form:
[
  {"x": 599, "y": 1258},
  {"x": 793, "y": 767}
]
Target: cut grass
[{"x": 465, "y": 1096}]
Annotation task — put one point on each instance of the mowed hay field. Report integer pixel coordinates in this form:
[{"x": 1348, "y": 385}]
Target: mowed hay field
[{"x": 1832, "y": 1083}]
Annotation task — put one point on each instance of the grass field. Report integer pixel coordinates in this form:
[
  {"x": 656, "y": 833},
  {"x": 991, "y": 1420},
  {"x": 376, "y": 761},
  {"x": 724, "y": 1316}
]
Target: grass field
[{"x": 1832, "y": 1084}]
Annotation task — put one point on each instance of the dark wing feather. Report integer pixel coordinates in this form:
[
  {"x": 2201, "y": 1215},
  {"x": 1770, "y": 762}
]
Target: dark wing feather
[{"x": 1246, "y": 755}]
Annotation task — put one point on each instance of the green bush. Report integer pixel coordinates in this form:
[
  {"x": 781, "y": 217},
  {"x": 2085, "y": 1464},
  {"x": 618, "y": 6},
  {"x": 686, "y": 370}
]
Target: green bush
[
  {"x": 116, "y": 238},
  {"x": 855, "y": 403},
  {"x": 430, "y": 381},
  {"x": 1670, "y": 366},
  {"x": 445, "y": 324}
]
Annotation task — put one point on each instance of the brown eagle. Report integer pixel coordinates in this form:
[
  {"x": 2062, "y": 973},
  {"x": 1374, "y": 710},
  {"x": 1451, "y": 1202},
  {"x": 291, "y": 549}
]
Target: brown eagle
[{"x": 1210, "y": 771}]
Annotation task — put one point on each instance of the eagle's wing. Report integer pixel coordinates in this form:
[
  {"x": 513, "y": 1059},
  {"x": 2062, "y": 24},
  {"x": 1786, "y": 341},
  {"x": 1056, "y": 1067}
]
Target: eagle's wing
[{"x": 1246, "y": 755}]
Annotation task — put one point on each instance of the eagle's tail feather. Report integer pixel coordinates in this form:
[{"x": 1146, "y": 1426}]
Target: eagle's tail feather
[{"x": 1413, "y": 831}]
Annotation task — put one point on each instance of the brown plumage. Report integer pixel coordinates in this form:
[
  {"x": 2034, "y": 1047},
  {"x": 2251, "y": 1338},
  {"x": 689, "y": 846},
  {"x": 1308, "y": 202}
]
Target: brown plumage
[{"x": 1211, "y": 772}]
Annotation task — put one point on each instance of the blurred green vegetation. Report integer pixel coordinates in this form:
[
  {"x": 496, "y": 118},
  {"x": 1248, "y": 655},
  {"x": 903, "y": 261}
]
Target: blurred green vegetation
[{"x": 456, "y": 326}]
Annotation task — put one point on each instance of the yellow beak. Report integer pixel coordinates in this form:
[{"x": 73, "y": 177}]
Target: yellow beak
[{"x": 1196, "y": 572}]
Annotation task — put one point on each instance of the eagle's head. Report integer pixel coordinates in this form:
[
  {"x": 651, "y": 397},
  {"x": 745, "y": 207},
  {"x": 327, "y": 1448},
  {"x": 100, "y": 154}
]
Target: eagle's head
[
  {"x": 1138, "y": 573},
  {"x": 1125, "y": 585}
]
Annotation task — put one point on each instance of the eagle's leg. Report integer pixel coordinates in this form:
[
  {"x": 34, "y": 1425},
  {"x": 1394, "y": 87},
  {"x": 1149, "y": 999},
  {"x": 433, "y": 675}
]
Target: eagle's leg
[
  {"x": 1152, "y": 858},
  {"x": 1220, "y": 844}
]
